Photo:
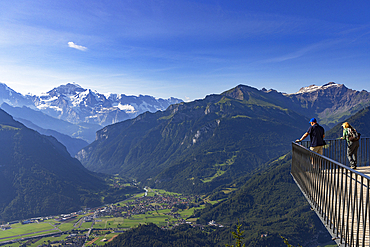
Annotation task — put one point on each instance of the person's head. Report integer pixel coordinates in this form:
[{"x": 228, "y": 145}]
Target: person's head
[
  {"x": 313, "y": 121},
  {"x": 346, "y": 125}
]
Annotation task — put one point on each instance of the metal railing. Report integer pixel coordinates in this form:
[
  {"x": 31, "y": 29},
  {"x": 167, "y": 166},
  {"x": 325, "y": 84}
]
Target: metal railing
[
  {"x": 338, "y": 194},
  {"x": 337, "y": 150}
]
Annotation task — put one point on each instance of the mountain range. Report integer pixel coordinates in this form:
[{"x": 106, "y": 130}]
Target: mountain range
[
  {"x": 86, "y": 108},
  {"x": 330, "y": 104},
  {"x": 84, "y": 111},
  {"x": 199, "y": 145},
  {"x": 209, "y": 142},
  {"x": 75, "y": 104}
]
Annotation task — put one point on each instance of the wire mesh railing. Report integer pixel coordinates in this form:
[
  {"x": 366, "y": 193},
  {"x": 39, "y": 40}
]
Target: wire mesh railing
[{"x": 338, "y": 194}]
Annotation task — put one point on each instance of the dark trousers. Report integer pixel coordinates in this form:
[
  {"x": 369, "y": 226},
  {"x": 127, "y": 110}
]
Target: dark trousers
[{"x": 352, "y": 152}]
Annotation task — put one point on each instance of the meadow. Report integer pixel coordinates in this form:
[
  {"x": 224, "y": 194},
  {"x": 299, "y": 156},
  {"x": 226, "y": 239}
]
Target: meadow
[
  {"x": 102, "y": 227},
  {"x": 26, "y": 230}
]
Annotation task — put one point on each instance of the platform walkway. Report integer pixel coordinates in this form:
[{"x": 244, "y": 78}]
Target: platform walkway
[{"x": 338, "y": 194}]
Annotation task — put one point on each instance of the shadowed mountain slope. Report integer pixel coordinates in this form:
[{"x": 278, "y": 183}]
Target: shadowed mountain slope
[
  {"x": 38, "y": 176},
  {"x": 197, "y": 146}
]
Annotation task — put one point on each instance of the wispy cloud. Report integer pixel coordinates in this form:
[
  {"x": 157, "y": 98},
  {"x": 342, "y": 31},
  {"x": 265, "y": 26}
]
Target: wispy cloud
[
  {"x": 313, "y": 48},
  {"x": 78, "y": 47}
]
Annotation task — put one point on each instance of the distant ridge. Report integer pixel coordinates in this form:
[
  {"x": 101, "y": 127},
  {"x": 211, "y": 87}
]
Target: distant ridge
[
  {"x": 330, "y": 103},
  {"x": 313, "y": 88},
  {"x": 83, "y": 111},
  {"x": 76, "y": 105}
]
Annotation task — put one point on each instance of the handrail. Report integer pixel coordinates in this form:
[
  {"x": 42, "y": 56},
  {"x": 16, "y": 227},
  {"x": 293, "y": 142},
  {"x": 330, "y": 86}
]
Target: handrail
[
  {"x": 336, "y": 149},
  {"x": 338, "y": 194}
]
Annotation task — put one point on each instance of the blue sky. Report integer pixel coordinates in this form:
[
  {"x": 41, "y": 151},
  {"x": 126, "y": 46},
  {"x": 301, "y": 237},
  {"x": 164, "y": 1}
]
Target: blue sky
[{"x": 184, "y": 49}]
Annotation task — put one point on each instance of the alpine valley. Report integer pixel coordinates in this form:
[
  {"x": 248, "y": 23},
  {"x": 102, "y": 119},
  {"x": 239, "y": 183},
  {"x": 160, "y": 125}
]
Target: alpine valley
[{"x": 233, "y": 147}]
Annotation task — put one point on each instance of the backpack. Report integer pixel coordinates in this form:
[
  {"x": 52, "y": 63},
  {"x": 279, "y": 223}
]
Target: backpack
[{"x": 353, "y": 135}]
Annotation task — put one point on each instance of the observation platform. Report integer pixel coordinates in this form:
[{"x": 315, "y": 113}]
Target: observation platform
[{"x": 339, "y": 195}]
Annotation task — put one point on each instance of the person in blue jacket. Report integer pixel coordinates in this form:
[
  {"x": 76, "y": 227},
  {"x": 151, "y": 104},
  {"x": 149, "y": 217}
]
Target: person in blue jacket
[{"x": 317, "y": 134}]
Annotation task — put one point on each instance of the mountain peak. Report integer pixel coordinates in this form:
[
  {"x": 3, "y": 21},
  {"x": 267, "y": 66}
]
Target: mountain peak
[
  {"x": 313, "y": 87},
  {"x": 68, "y": 89},
  {"x": 240, "y": 92}
]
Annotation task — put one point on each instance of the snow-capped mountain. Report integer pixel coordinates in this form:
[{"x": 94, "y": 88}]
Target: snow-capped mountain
[
  {"x": 330, "y": 103},
  {"x": 75, "y": 104},
  {"x": 313, "y": 88}
]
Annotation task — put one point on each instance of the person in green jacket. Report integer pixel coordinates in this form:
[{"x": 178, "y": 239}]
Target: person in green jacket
[{"x": 352, "y": 145}]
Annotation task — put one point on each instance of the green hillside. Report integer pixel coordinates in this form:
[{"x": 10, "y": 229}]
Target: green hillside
[
  {"x": 196, "y": 146},
  {"x": 269, "y": 202}
]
